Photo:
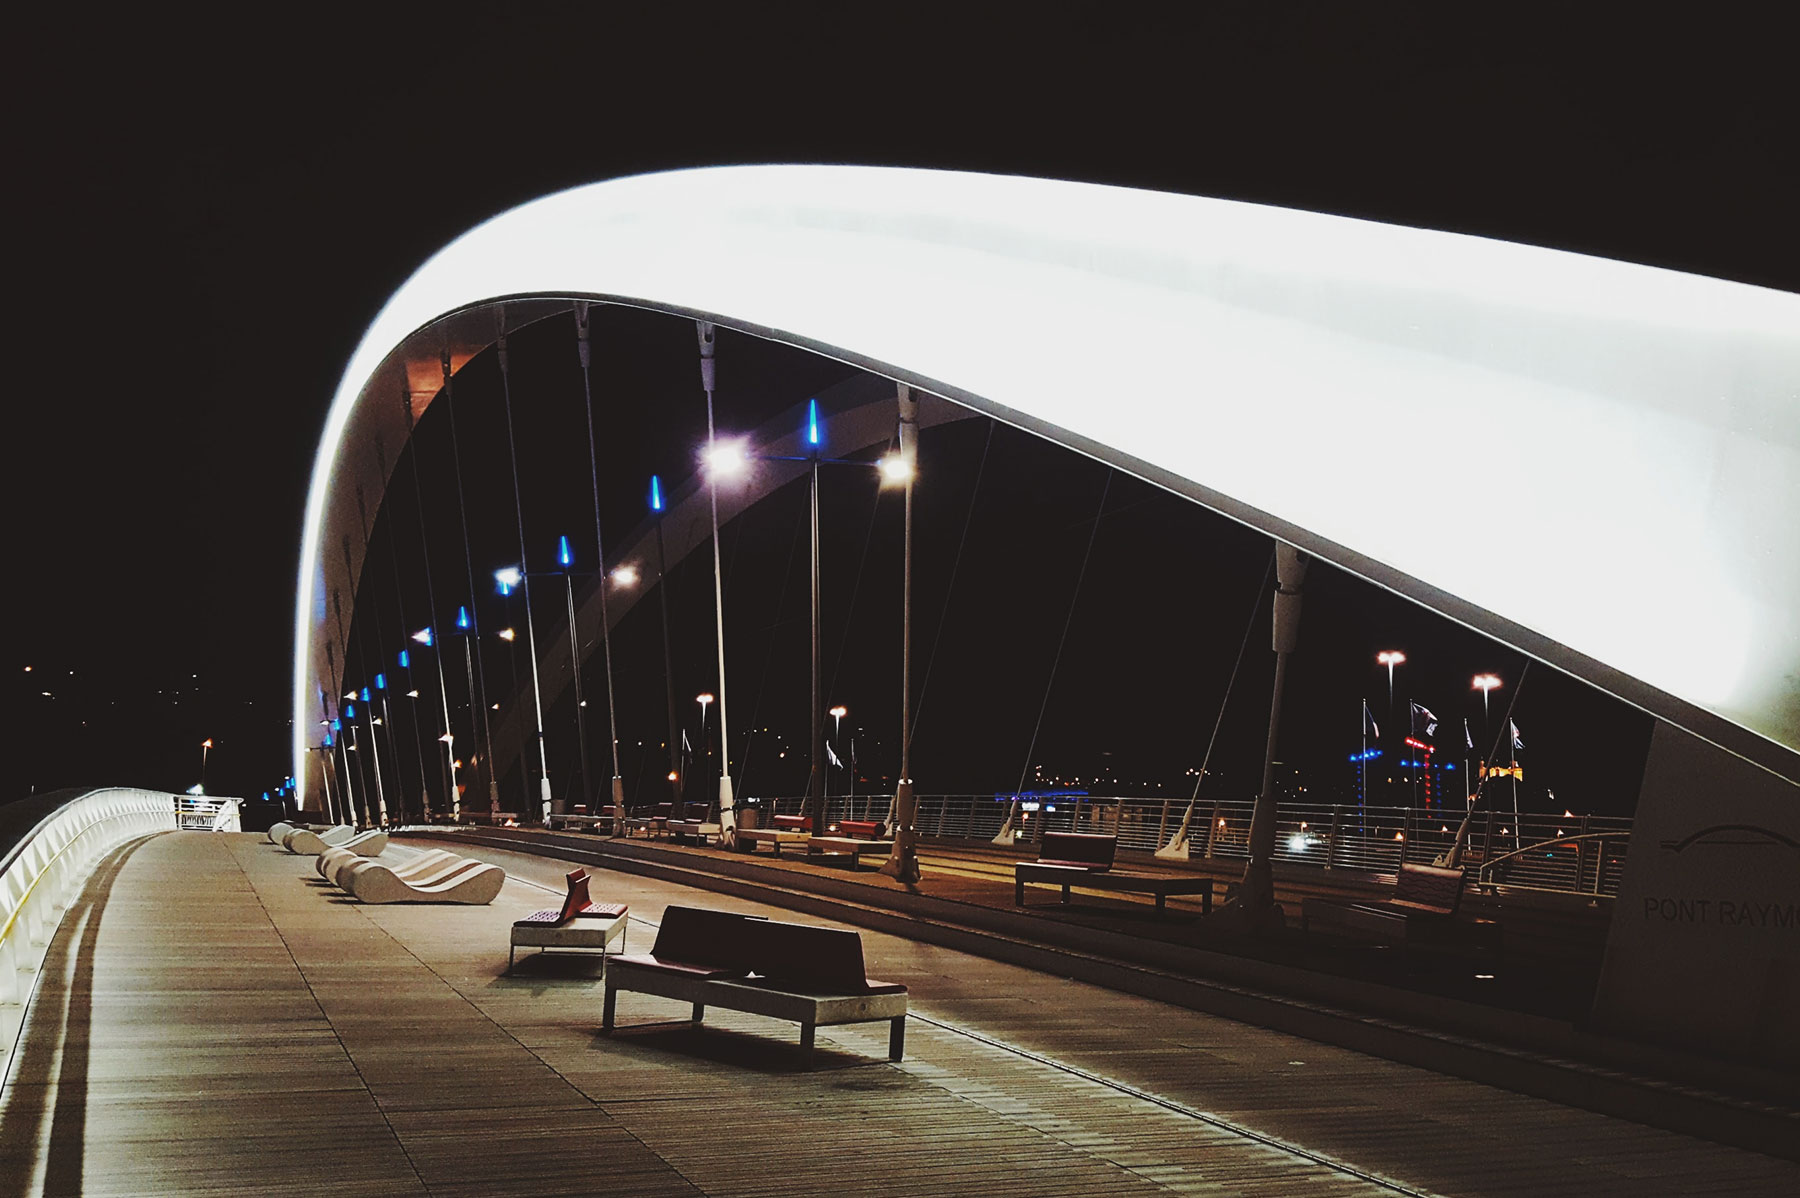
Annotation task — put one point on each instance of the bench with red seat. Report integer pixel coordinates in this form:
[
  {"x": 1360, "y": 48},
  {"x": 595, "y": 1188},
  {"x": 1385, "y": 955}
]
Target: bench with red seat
[
  {"x": 802, "y": 973},
  {"x": 579, "y": 923},
  {"x": 856, "y": 837}
]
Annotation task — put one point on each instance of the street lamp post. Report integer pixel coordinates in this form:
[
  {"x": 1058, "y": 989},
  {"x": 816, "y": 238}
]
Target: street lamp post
[
  {"x": 205, "y": 747},
  {"x": 1390, "y": 658},
  {"x": 507, "y": 579},
  {"x": 708, "y": 380},
  {"x": 1485, "y": 683},
  {"x": 612, "y": 715},
  {"x": 524, "y": 579},
  {"x": 565, "y": 557},
  {"x": 903, "y": 864},
  {"x": 837, "y": 715},
  {"x": 662, "y": 595},
  {"x": 375, "y": 751},
  {"x": 704, "y": 700},
  {"x": 425, "y": 637}
]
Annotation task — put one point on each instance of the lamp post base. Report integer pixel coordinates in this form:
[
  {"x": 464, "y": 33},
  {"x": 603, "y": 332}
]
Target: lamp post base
[{"x": 902, "y": 864}]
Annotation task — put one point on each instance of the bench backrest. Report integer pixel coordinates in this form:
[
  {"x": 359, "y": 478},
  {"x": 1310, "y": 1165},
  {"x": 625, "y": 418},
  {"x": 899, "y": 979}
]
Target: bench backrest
[
  {"x": 577, "y": 899},
  {"x": 793, "y": 823},
  {"x": 866, "y": 829},
  {"x": 806, "y": 957},
  {"x": 1430, "y": 886},
  {"x": 701, "y": 937},
  {"x": 697, "y": 811},
  {"x": 1078, "y": 848}
]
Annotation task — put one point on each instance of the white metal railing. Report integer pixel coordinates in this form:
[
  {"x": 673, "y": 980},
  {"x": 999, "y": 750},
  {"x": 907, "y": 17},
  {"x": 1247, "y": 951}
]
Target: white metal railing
[
  {"x": 1565, "y": 854},
  {"x": 45, "y": 870},
  {"x": 206, "y": 814}
]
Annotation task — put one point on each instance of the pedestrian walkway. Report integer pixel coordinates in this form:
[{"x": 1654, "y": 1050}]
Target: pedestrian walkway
[{"x": 213, "y": 1019}]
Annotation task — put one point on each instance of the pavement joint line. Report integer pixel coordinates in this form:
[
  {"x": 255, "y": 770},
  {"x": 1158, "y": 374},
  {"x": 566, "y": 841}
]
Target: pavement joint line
[
  {"x": 1169, "y": 1104},
  {"x": 349, "y": 1056}
]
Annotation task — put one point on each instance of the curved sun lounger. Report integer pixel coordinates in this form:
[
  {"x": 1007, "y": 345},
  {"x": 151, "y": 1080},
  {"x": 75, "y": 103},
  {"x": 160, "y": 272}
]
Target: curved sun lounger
[
  {"x": 337, "y": 863},
  {"x": 308, "y": 843},
  {"x": 366, "y": 844},
  {"x": 472, "y": 882},
  {"x": 278, "y": 829},
  {"x": 369, "y": 844}
]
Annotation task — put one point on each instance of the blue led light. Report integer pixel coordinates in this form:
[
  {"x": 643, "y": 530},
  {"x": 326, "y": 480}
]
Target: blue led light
[
  {"x": 337, "y": 725},
  {"x": 656, "y": 502},
  {"x": 564, "y": 557},
  {"x": 462, "y": 618},
  {"x": 381, "y": 682},
  {"x": 328, "y": 741},
  {"x": 349, "y": 711},
  {"x": 366, "y": 698},
  {"x": 405, "y": 661},
  {"x": 812, "y": 423},
  {"x": 265, "y": 796}
]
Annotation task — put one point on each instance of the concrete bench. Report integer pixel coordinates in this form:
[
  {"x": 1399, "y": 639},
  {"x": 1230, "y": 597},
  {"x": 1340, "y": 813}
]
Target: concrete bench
[
  {"x": 1421, "y": 909},
  {"x": 859, "y": 836},
  {"x": 580, "y": 923},
  {"x": 804, "y": 974},
  {"x": 1085, "y": 859},
  {"x": 698, "y": 831}
]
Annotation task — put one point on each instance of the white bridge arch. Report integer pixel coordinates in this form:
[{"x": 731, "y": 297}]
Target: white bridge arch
[{"x": 1270, "y": 364}]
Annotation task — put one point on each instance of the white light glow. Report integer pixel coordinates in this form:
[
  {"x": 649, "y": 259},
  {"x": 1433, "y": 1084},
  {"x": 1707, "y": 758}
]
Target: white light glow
[
  {"x": 725, "y": 459},
  {"x": 896, "y": 468},
  {"x": 1646, "y": 417},
  {"x": 508, "y": 577},
  {"x": 625, "y": 576},
  {"x": 507, "y": 634}
]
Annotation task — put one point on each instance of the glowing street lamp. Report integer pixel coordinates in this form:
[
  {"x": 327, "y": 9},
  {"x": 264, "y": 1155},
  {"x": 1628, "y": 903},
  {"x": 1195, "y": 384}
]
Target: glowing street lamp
[
  {"x": 507, "y": 634},
  {"x": 1390, "y": 658},
  {"x": 508, "y": 578},
  {"x": 205, "y": 747}
]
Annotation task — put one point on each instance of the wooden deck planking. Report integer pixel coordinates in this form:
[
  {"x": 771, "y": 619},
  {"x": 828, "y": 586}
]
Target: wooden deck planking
[{"x": 395, "y": 1051}]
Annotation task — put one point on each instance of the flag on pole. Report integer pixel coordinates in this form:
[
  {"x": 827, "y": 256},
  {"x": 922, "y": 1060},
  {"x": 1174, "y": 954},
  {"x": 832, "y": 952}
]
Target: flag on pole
[
  {"x": 1424, "y": 724},
  {"x": 1518, "y": 741},
  {"x": 832, "y": 757},
  {"x": 1369, "y": 724},
  {"x": 1468, "y": 737}
]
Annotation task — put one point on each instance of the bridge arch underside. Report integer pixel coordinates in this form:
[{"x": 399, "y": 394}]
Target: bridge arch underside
[{"x": 1259, "y": 362}]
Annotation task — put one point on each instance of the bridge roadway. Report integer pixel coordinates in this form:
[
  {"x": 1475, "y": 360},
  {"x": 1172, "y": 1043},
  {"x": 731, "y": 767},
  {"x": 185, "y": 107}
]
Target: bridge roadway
[{"x": 212, "y": 1019}]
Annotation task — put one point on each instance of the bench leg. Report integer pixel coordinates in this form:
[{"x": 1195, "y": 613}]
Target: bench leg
[
  {"x": 1065, "y": 897},
  {"x": 897, "y": 1038},
  {"x": 699, "y": 1011},
  {"x": 606, "y": 1012},
  {"x": 509, "y": 958},
  {"x": 806, "y": 1043}
]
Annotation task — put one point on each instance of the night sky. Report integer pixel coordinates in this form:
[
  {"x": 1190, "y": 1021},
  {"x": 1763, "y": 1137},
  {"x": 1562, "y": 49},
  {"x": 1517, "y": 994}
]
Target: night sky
[{"x": 213, "y": 216}]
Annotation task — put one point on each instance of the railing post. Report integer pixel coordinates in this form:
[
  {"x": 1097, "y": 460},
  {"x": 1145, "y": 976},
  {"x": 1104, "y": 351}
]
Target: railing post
[
  {"x": 1409, "y": 828},
  {"x": 1487, "y": 838},
  {"x": 1337, "y": 823}
]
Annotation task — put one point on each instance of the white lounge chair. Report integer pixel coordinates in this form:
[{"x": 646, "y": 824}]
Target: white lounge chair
[
  {"x": 338, "y": 863},
  {"x": 307, "y": 843},
  {"x": 372, "y": 843},
  {"x": 471, "y": 882},
  {"x": 278, "y": 829}
]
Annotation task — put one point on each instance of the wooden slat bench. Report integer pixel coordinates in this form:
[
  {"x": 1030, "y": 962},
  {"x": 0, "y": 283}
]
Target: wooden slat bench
[
  {"x": 1422, "y": 909},
  {"x": 1086, "y": 859},
  {"x": 859, "y": 836},
  {"x": 804, "y": 974},
  {"x": 786, "y": 829}
]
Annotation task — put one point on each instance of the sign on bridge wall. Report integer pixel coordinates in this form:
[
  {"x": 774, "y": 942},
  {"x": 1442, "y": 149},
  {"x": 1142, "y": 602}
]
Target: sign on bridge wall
[{"x": 1704, "y": 949}]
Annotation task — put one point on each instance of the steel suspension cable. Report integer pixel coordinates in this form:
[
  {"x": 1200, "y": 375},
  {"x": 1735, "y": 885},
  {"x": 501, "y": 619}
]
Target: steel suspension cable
[
  {"x": 512, "y": 449},
  {"x": 1219, "y": 721},
  {"x": 478, "y": 676},
  {"x": 587, "y": 387},
  {"x": 1074, "y": 599},
  {"x": 448, "y": 763},
  {"x": 400, "y": 609},
  {"x": 787, "y": 578},
  {"x": 955, "y": 567}
]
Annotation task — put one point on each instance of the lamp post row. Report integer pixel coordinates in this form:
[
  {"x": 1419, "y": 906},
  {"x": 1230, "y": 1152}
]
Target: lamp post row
[{"x": 897, "y": 468}]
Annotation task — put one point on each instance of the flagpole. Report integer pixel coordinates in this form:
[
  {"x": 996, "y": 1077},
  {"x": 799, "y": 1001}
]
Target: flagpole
[{"x": 1362, "y": 793}]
